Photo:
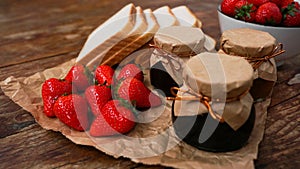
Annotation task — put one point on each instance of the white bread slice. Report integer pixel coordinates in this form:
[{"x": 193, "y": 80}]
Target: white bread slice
[
  {"x": 165, "y": 17},
  {"x": 110, "y": 57},
  {"x": 115, "y": 55},
  {"x": 146, "y": 36},
  {"x": 108, "y": 34},
  {"x": 186, "y": 17}
]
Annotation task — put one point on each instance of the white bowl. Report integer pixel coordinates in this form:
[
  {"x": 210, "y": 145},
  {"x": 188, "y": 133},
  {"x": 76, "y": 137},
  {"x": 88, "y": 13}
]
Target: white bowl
[{"x": 288, "y": 36}]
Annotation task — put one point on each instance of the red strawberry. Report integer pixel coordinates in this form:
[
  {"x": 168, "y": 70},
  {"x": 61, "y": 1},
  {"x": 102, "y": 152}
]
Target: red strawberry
[
  {"x": 258, "y": 2},
  {"x": 291, "y": 14},
  {"x": 51, "y": 90},
  {"x": 286, "y": 2},
  {"x": 277, "y": 2},
  {"x": 72, "y": 110},
  {"x": 135, "y": 91},
  {"x": 79, "y": 76},
  {"x": 268, "y": 14},
  {"x": 114, "y": 119},
  {"x": 104, "y": 74},
  {"x": 281, "y": 3},
  {"x": 97, "y": 97},
  {"x": 227, "y": 7},
  {"x": 131, "y": 70},
  {"x": 245, "y": 11}
]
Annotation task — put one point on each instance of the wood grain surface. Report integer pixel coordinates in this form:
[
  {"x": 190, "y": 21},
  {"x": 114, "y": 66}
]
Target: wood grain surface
[{"x": 36, "y": 35}]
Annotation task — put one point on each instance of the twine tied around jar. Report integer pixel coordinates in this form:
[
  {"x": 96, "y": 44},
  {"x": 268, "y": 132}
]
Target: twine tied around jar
[
  {"x": 256, "y": 62},
  {"x": 171, "y": 60},
  {"x": 203, "y": 99}
]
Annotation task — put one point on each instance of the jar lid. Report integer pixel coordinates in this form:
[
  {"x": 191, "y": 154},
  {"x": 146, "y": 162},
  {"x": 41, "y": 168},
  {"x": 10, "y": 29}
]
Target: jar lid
[
  {"x": 214, "y": 74},
  {"x": 247, "y": 42},
  {"x": 180, "y": 40}
]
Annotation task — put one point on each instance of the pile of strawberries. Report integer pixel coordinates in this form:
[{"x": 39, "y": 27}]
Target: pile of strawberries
[
  {"x": 265, "y": 12},
  {"x": 104, "y": 102}
]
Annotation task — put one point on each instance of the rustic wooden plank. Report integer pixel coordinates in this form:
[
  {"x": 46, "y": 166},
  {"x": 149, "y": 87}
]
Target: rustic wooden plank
[
  {"x": 28, "y": 68},
  {"x": 283, "y": 91},
  {"x": 280, "y": 146},
  {"x": 66, "y": 28},
  {"x": 36, "y": 35}
]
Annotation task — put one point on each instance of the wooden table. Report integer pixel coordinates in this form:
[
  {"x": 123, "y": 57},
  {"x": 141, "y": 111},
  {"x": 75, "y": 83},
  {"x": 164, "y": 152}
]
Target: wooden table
[{"x": 36, "y": 35}]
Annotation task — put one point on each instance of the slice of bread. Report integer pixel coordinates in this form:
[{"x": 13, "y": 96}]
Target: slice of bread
[
  {"x": 146, "y": 36},
  {"x": 186, "y": 17},
  {"x": 165, "y": 17},
  {"x": 108, "y": 34},
  {"x": 110, "y": 58}
]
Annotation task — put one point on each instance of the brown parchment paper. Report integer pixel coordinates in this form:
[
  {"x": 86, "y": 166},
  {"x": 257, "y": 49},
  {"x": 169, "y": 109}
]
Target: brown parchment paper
[{"x": 25, "y": 91}]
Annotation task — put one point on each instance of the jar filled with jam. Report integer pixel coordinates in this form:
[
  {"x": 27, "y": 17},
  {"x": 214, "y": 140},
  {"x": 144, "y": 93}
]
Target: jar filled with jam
[
  {"x": 259, "y": 48},
  {"x": 213, "y": 110},
  {"x": 173, "y": 47}
]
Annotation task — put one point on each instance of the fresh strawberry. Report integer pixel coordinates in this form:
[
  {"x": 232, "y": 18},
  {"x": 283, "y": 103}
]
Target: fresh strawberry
[
  {"x": 268, "y": 14},
  {"x": 277, "y": 2},
  {"x": 135, "y": 91},
  {"x": 131, "y": 70},
  {"x": 228, "y": 8},
  {"x": 104, "y": 74},
  {"x": 281, "y": 3},
  {"x": 291, "y": 14},
  {"x": 73, "y": 111},
  {"x": 51, "y": 90},
  {"x": 245, "y": 11},
  {"x": 79, "y": 76},
  {"x": 286, "y": 2},
  {"x": 258, "y": 2},
  {"x": 114, "y": 119},
  {"x": 97, "y": 97}
]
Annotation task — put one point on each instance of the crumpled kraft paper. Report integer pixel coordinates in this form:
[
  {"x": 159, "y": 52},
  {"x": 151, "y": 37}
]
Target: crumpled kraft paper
[{"x": 156, "y": 138}]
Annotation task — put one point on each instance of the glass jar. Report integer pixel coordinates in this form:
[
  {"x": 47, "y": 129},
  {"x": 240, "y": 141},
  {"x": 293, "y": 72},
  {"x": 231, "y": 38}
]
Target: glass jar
[
  {"x": 173, "y": 47},
  {"x": 259, "y": 48},
  {"x": 213, "y": 110}
]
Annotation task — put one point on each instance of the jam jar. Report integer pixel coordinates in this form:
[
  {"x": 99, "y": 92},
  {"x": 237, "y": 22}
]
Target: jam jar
[
  {"x": 173, "y": 47},
  {"x": 259, "y": 48},
  {"x": 213, "y": 110}
]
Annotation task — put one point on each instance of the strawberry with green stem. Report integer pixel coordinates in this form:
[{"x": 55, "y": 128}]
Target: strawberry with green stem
[
  {"x": 228, "y": 7},
  {"x": 97, "y": 96},
  {"x": 245, "y": 11},
  {"x": 72, "y": 110},
  {"x": 104, "y": 75},
  {"x": 131, "y": 70},
  {"x": 137, "y": 93},
  {"x": 80, "y": 76},
  {"x": 291, "y": 14},
  {"x": 114, "y": 119},
  {"x": 268, "y": 14},
  {"x": 52, "y": 89}
]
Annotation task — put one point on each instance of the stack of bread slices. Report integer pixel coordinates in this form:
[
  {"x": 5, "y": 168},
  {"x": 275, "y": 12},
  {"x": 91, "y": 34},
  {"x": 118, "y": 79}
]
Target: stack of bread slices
[{"x": 129, "y": 29}]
